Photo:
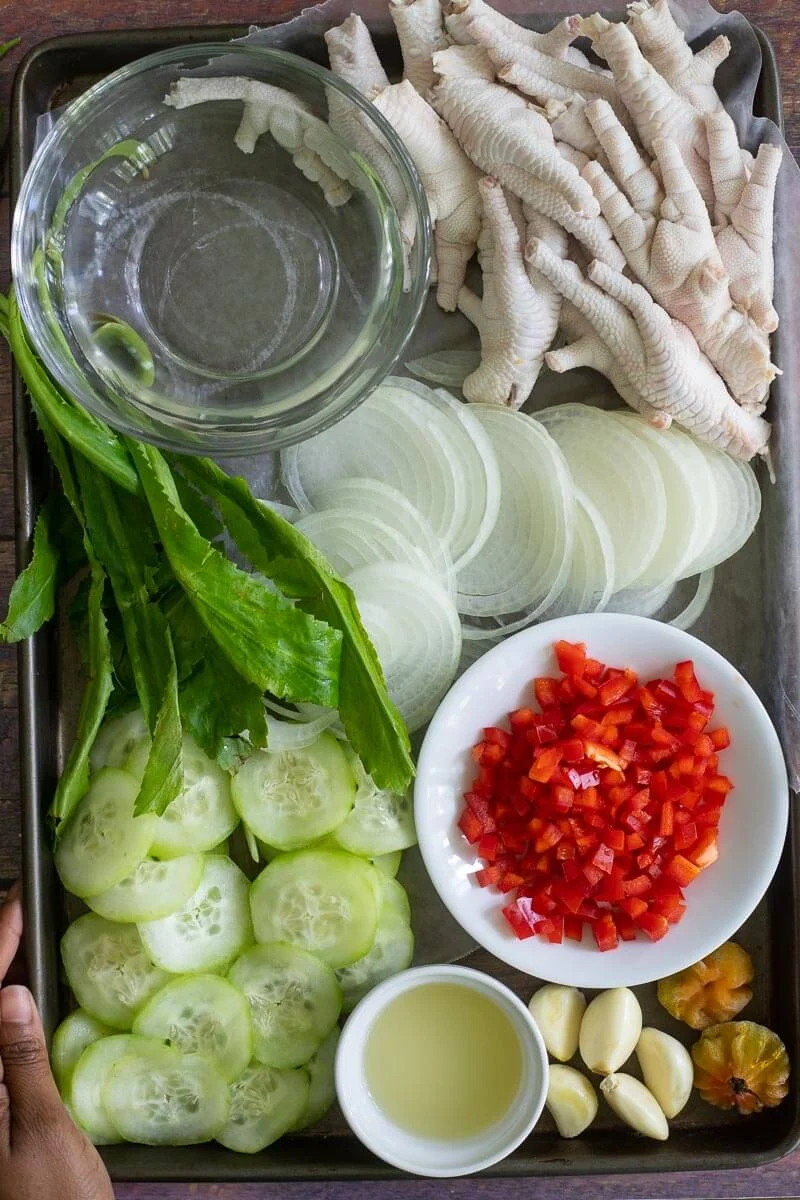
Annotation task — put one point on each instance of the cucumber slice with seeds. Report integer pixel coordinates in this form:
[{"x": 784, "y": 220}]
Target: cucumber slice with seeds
[
  {"x": 201, "y": 1014},
  {"x": 108, "y": 969},
  {"x": 202, "y": 815},
  {"x": 164, "y": 1098},
  {"x": 155, "y": 889},
  {"x": 77, "y": 1031},
  {"x": 380, "y": 822},
  {"x": 89, "y": 1078},
  {"x": 325, "y": 901},
  {"x": 103, "y": 841},
  {"x": 395, "y": 896},
  {"x": 294, "y": 1002},
  {"x": 289, "y": 798},
  {"x": 264, "y": 1104},
  {"x": 117, "y": 739},
  {"x": 210, "y": 929},
  {"x": 388, "y": 864},
  {"x": 322, "y": 1083},
  {"x": 391, "y": 952}
]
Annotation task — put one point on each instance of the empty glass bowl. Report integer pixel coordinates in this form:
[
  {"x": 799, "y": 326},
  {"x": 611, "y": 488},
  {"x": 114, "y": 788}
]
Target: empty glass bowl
[{"x": 208, "y": 264}]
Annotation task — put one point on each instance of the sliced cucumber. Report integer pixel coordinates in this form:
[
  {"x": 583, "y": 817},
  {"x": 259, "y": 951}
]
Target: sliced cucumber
[
  {"x": 264, "y": 1104},
  {"x": 395, "y": 896},
  {"x": 108, "y": 969},
  {"x": 388, "y": 864},
  {"x": 155, "y": 889},
  {"x": 289, "y": 798},
  {"x": 322, "y": 1085},
  {"x": 89, "y": 1077},
  {"x": 103, "y": 841},
  {"x": 294, "y": 1002},
  {"x": 74, "y": 1034},
  {"x": 203, "y": 814},
  {"x": 324, "y": 901},
  {"x": 201, "y": 1014},
  {"x": 392, "y": 951},
  {"x": 380, "y": 822},
  {"x": 210, "y": 929},
  {"x": 117, "y": 739},
  {"x": 165, "y": 1098}
]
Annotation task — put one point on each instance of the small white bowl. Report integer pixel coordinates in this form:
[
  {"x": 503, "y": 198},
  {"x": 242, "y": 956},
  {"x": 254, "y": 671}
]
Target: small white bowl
[
  {"x": 752, "y": 828},
  {"x": 433, "y": 1156}
]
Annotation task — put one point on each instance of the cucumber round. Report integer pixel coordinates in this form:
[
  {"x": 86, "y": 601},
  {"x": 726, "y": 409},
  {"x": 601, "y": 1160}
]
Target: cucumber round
[
  {"x": 264, "y": 1104},
  {"x": 117, "y": 739},
  {"x": 77, "y": 1031},
  {"x": 108, "y": 969},
  {"x": 325, "y": 901},
  {"x": 210, "y": 929},
  {"x": 202, "y": 815},
  {"x": 380, "y": 821},
  {"x": 395, "y": 896},
  {"x": 201, "y": 1014},
  {"x": 154, "y": 889},
  {"x": 89, "y": 1077},
  {"x": 294, "y": 1002},
  {"x": 391, "y": 952},
  {"x": 164, "y": 1098},
  {"x": 322, "y": 1083},
  {"x": 289, "y": 798},
  {"x": 103, "y": 841},
  {"x": 388, "y": 864}
]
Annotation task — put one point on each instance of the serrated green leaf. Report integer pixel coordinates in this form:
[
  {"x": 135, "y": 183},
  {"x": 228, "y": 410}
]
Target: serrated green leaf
[
  {"x": 163, "y": 774},
  {"x": 32, "y": 601}
]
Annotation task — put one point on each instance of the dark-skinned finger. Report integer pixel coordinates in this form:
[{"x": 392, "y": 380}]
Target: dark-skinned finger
[
  {"x": 10, "y": 930},
  {"x": 32, "y": 1092}
]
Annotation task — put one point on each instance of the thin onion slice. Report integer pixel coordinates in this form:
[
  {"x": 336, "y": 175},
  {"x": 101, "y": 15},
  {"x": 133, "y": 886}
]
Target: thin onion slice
[
  {"x": 351, "y": 539},
  {"x": 641, "y": 602},
  {"x": 293, "y": 735},
  {"x": 698, "y": 603},
  {"x": 525, "y": 562},
  {"x": 389, "y": 505},
  {"x": 448, "y": 367},
  {"x": 414, "y": 627},
  {"x": 620, "y": 475},
  {"x": 590, "y": 581},
  {"x": 738, "y": 508},
  {"x": 691, "y": 494}
]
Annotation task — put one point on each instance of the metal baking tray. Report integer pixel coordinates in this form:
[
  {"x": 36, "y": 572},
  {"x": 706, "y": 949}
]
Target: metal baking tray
[{"x": 702, "y": 1138}]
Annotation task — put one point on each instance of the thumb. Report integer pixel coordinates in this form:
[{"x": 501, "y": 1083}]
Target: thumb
[{"x": 27, "y": 1087}]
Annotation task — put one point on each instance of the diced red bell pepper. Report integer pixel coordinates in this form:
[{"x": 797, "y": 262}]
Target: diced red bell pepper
[
  {"x": 511, "y": 881},
  {"x": 605, "y": 932},
  {"x": 565, "y": 850},
  {"x": 521, "y": 718},
  {"x": 615, "y": 839},
  {"x": 685, "y": 836},
  {"x": 546, "y": 691},
  {"x": 681, "y": 870},
  {"x": 721, "y": 738},
  {"x": 612, "y": 691},
  {"x": 489, "y": 846},
  {"x": 603, "y": 858},
  {"x": 573, "y": 927},
  {"x": 625, "y": 927},
  {"x": 653, "y": 924},
  {"x": 544, "y": 764},
  {"x": 550, "y": 836},
  {"x": 618, "y": 714},
  {"x": 633, "y": 841},
  {"x": 572, "y": 750},
  {"x": 640, "y": 885},
  {"x": 497, "y": 736},
  {"x": 572, "y": 893},
  {"x": 665, "y": 823},
  {"x": 586, "y": 726},
  {"x": 705, "y": 851},
  {"x": 719, "y": 784},
  {"x": 521, "y": 916},
  {"x": 592, "y": 873},
  {"x": 489, "y": 876},
  {"x": 603, "y": 755},
  {"x": 470, "y": 826},
  {"x": 634, "y": 906},
  {"x": 571, "y": 657},
  {"x": 686, "y": 681},
  {"x": 570, "y": 868}
]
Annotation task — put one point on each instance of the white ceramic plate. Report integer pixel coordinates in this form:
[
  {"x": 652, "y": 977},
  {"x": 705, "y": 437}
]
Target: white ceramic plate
[{"x": 752, "y": 829}]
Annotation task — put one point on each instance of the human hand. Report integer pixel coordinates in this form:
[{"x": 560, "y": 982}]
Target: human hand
[{"x": 42, "y": 1152}]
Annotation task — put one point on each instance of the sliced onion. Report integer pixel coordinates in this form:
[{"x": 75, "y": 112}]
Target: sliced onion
[
  {"x": 293, "y": 735},
  {"x": 738, "y": 508},
  {"x": 590, "y": 580},
  {"x": 691, "y": 498},
  {"x": 414, "y": 627},
  {"x": 641, "y": 602},
  {"x": 389, "y": 505},
  {"x": 448, "y": 367},
  {"x": 620, "y": 475},
  {"x": 525, "y": 562},
  {"x": 351, "y": 539},
  {"x": 698, "y": 603}
]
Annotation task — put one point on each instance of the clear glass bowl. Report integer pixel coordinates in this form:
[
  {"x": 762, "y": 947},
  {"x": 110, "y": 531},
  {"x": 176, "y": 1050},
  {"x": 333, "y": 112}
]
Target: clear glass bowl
[{"x": 208, "y": 297}]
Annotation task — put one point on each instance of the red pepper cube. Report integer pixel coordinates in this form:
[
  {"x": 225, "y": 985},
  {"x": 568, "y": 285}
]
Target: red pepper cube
[
  {"x": 489, "y": 846},
  {"x": 521, "y": 916},
  {"x": 703, "y": 747},
  {"x": 470, "y": 826},
  {"x": 653, "y": 925},
  {"x": 573, "y": 928},
  {"x": 544, "y": 764},
  {"x": 572, "y": 750},
  {"x": 686, "y": 681},
  {"x": 571, "y": 657},
  {"x": 660, "y": 736},
  {"x": 511, "y": 881},
  {"x": 605, "y": 933},
  {"x": 515, "y": 843},
  {"x": 603, "y": 858},
  {"x": 521, "y": 805},
  {"x": 618, "y": 714},
  {"x": 634, "y": 906},
  {"x": 565, "y": 850},
  {"x": 566, "y": 691},
  {"x": 611, "y": 888},
  {"x": 625, "y": 927},
  {"x": 489, "y": 876},
  {"x": 583, "y": 687},
  {"x": 705, "y": 850},
  {"x": 666, "y": 692},
  {"x": 612, "y": 691},
  {"x": 640, "y": 885},
  {"x": 589, "y": 910},
  {"x": 497, "y": 737},
  {"x": 603, "y": 755},
  {"x": 593, "y": 669},
  {"x": 611, "y": 736},
  {"x": 676, "y": 915},
  {"x": 546, "y": 691},
  {"x": 594, "y": 820},
  {"x": 477, "y": 752},
  {"x": 585, "y": 726},
  {"x": 521, "y": 718},
  {"x": 719, "y": 784},
  {"x": 721, "y": 738},
  {"x": 627, "y": 752},
  {"x": 562, "y": 797},
  {"x": 612, "y": 778},
  {"x": 697, "y": 720},
  {"x": 615, "y": 839},
  {"x": 652, "y": 707},
  {"x": 555, "y": 934},
  {"x": 550, "y": 836},
  {"x": 659, "y": 754},
  {"x": 633, "y": 841},
  {"x": 592, "y": 874},
  {"x": 644, "y": 859},
  {"x": 542, "y": 734},
  {"x": 570, "y": 869},
  {"x": 571, "y": 893},
  {"x": 666, "y": 823},
  {"x": 682, "y": 870},
  {"x": 685, "y": 836}
]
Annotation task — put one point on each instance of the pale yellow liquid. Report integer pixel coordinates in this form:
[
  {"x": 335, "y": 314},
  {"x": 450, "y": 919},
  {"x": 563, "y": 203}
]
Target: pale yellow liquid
[{"x": 443, "y": 1061}]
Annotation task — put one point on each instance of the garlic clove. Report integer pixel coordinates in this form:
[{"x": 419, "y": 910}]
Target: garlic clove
[
  {"x": 558, "y": 1012},
  {"x": 571, "y": 1099},
  {"x": 635, "y": 1105},
  {"x": 667, "y": 1069},
  {"x": 610, "y": 1030}
]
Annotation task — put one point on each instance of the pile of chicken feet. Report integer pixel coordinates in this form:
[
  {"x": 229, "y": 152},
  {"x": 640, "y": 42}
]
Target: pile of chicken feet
[{"x": 613, "y": 204}]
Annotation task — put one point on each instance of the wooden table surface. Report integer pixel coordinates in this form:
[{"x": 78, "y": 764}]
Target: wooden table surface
[{"x": 780, "y": 20}]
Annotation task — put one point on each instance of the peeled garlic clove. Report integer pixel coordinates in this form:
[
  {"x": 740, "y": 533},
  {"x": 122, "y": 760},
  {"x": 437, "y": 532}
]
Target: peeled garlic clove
[
  {"x": 635, "y": 1105},
  {"x": 610, "y": 1030},
  {"x": 667, "y": 1069},
  {"x": 571, "y": 1099},
  {"x": 558, "y": 1012}
]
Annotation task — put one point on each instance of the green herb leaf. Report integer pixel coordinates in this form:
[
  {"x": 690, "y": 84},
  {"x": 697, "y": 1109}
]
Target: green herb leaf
[
  {"x": 218, "y": 705},
  {"x": 74, "y": 780},
  {"x": 33, "y": 597},
  {"x": 83, "y": 432},
  {"x": 372, "y": 722},
  {"x": 163, "y": 774},
  {"x": 270, "y": 642}
]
